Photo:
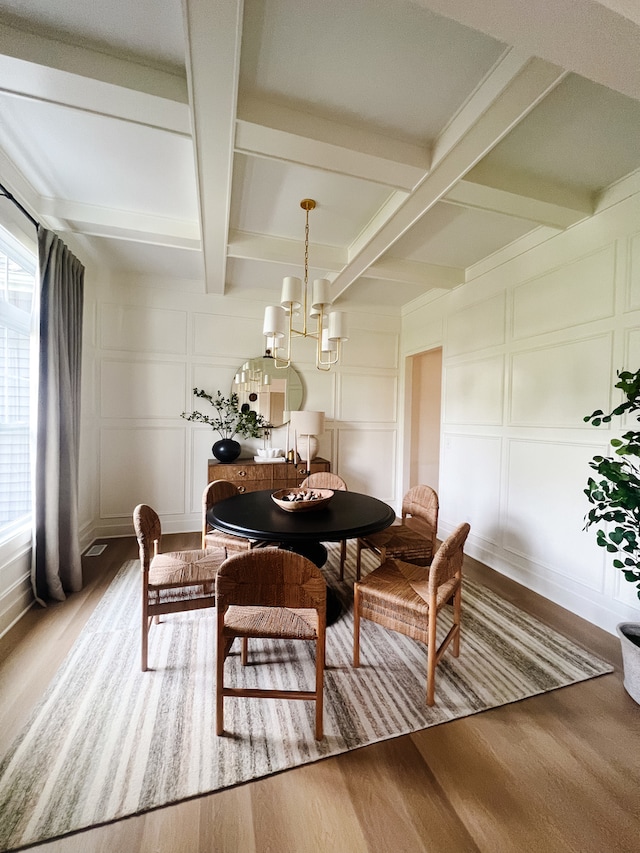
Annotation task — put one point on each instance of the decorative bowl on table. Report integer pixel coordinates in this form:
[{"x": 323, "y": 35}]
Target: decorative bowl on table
[{"x": 302, "y": 500}]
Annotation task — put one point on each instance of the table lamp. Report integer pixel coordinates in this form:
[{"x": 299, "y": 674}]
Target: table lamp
[{"x": 307, "y": 426}]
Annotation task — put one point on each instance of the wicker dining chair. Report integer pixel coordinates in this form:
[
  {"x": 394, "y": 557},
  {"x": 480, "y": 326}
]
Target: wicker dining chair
[
  {"x": 216, "y": 491},
  {"x": 407, "y": 598},
  {"x": 413, "y": 539},
  {"x": 172, "y": 581},
  {"x": 327, "y": 480},
  {"x": 270, "y": 594}
]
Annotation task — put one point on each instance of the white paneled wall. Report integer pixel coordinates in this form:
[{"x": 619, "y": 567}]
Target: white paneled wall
[
  {"x": 551, "y": 385},
  {"x": 474, "y": 391},
  {"x": 530, "y": 347},
  {"x": 155, "y": 346}
]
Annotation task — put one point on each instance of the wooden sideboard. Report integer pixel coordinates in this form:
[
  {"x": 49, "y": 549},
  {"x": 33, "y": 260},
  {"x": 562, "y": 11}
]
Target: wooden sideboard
[{"x": 250, "y": 476}]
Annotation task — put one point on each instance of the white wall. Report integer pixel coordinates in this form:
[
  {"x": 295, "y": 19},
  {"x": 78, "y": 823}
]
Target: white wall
[
  {"x": 531, "y": 344},
  {"x": 155, "y": 344}
]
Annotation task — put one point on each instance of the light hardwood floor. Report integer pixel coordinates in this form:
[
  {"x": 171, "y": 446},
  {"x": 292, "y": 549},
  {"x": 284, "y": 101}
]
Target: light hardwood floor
[{"x": 558, "y": 772}]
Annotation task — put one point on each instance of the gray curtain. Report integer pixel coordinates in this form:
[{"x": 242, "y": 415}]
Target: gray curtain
[{"x": 56, "y": 564}]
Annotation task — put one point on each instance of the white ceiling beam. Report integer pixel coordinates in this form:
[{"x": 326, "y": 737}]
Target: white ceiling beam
[
  {"x": 256, "y": 247},
  {"x": 213, "y": 65},
  {"x": 509, "y": 66},
  {"x": 79, "y": 61},
  {"x": 107, "y": 222},
  {"x": 511, "y": 102},
  {"x": 533, "y": 208},
  {"x": 628, "y": 8},
  {"x": 26, "y": 80},
  {"x": 283, "y": 134},
  {"x": 415, "y": 272},
  {"x": 388, "y": 210},
  {"x": 257, "y": 140},
  {"x": 598, "y": 39}
]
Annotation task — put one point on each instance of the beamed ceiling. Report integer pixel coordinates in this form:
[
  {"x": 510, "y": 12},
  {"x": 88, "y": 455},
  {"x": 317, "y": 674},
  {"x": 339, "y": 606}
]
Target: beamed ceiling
[{"x": 176, "y": 140}]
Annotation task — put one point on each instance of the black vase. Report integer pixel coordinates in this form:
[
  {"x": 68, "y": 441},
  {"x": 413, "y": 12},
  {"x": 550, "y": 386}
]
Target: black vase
[{"x": 226, "y": 450}]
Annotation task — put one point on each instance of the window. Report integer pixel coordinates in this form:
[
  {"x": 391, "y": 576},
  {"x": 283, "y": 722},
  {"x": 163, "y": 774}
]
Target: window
[{"x": 17, "y": 285}]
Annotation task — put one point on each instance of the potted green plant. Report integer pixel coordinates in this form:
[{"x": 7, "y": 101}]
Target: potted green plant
[
  {"x": 615, "y": 499},
  {"x": 228, "y": 420}
]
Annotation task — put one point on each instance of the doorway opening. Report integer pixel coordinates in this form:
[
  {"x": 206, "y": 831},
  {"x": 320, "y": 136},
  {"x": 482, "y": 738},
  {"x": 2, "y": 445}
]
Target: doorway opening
[{"x": 426, "y": 391}]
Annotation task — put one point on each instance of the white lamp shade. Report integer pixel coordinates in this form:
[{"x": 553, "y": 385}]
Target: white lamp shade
[
  {"x": 321, "y": 294},
  {"x": 274, "y": 322},
  {"x": 337, "y": 326},
  {"x": 308, "y": 423},
  {"x": 326, "y": 344},
  {"x": 291, "y": 296}
]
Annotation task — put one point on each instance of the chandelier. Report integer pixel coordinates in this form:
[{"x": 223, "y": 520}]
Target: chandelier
[{"x": 328, "y": 328}]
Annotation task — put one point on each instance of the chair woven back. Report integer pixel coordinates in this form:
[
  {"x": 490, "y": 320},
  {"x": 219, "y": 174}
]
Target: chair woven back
[
  {"x": 421, "y": 502},
  {"x": 270, "y": 578},
  {"x": 146, "y": 524},
  {"x": 327, "y": 480},
  {"x": 324, "y": 480},
  {"x": 407, "y": 598},
  {"x": 447, "y": 563},
  {"x": 217, "y": 491}
]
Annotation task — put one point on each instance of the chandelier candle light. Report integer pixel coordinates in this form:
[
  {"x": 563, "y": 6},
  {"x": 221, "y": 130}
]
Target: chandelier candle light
[{"x": 330, "y": 326}]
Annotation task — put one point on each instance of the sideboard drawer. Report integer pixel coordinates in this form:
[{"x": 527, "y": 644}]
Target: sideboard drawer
[
  {"x": 251, "y": 485},
  {"x": 243, "y": 473},
  {"x": 250, "y": 476}
]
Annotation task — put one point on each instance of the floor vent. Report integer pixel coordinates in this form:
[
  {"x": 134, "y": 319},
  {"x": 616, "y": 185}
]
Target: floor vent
[{"x": 95, "y": 550}]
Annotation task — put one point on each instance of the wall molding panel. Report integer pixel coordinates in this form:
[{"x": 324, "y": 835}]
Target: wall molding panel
[
  {"x": 146, "y": 453},
  {"x": 477, "y": 326},
  {"x": 569, "y": 295},
  {"x": 474, "y": 392},
  {"x": 632, "y": 290},
  {"x": 556, "y": 386},
  {"x": 572, "y": 307},
  {"x": 136, "y": 328}
]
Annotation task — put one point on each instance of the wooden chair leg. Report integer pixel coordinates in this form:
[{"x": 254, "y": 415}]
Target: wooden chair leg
[
  {"x": 457, "y": 612},
  {"x": 144, "y": 662},
  {"x": 145, "y": 645},
  {"x": 356, "y": 625},
  {"x": 432, "y": 652},
  {"x": 320, "y": 660},
  {"x": 343, "y": 557},
  {"x": 220, "y": 657},
  {"x": 358, "y": 558},
  {"x": 244, "y": 651}
]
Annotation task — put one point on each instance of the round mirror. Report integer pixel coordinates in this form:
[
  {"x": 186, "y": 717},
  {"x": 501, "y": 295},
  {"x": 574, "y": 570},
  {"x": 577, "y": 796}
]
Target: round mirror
[{"x": 269, "y": 390}]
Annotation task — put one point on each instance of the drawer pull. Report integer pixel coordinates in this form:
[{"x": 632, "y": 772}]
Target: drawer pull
[
  {"x": 242, "y": 473},
  {"x": 242, "y": 489}
]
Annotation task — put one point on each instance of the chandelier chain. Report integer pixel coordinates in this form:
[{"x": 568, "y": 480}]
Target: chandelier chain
[{"x": 306, "y": 249}]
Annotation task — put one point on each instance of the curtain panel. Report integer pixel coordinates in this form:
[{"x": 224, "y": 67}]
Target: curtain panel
[{"x": 56, "y": 564}]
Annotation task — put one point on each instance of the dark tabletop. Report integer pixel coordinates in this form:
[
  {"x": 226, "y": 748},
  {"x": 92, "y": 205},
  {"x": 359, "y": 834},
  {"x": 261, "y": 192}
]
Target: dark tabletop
[{"x": 346, "y": 516}]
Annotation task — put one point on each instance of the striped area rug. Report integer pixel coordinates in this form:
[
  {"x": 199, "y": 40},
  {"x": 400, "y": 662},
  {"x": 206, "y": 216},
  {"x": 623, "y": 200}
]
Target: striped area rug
[{"x": 108, "y": 741}]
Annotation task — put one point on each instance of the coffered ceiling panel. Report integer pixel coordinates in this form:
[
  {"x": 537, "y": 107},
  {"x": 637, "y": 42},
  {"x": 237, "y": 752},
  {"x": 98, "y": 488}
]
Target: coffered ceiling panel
[{"x": 178, "y": 137}]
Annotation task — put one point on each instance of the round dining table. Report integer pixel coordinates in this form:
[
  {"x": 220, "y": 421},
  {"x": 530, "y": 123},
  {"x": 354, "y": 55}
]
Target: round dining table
[{"x": 348, "y": 515}]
